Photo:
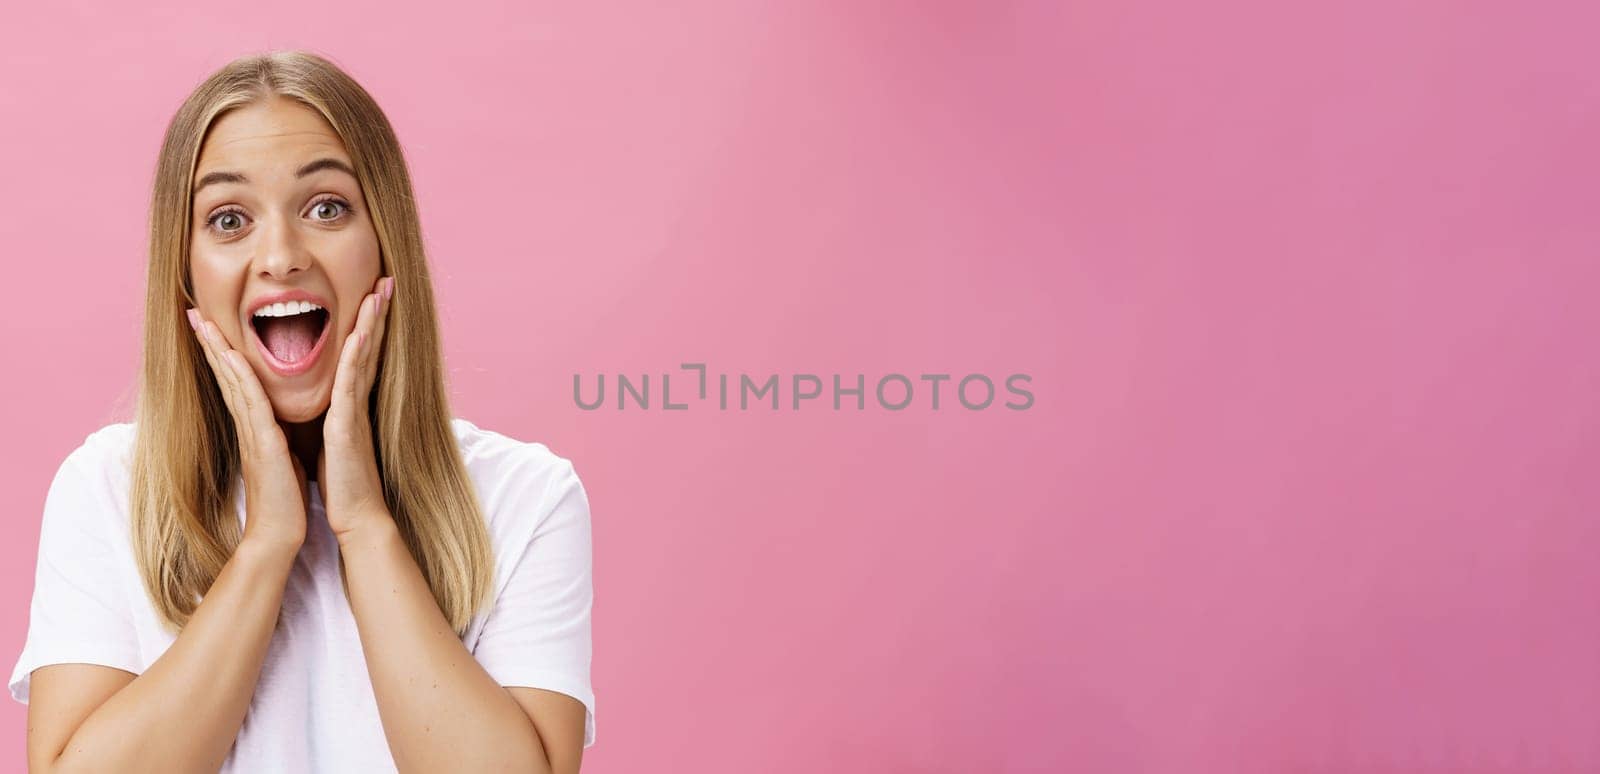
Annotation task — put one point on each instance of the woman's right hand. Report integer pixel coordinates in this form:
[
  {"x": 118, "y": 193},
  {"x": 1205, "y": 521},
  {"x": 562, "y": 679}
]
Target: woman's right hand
[{"x": 275, "y": 491}]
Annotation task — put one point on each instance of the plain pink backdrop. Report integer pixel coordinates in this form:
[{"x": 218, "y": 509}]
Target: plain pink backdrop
[{"x": 1306, "y": 292}]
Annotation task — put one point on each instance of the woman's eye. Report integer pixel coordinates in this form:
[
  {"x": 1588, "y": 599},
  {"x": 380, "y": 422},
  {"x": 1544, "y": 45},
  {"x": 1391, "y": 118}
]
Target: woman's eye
[
  {"x": 328, "y": 209},
  {"x": 226, "y": 221}
]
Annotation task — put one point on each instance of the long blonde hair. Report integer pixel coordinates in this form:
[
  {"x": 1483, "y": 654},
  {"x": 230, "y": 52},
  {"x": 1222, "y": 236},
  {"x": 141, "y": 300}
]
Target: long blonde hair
[{"x": 186, "y": 453}]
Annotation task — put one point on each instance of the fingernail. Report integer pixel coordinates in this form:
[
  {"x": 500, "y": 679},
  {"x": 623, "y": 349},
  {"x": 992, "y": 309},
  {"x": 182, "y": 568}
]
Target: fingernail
[
  {"x": 194, "y": 318},
  {"x": 388, "y": 289}
]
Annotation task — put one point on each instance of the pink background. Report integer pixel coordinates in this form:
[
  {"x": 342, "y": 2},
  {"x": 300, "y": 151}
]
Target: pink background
[{"x": 1306, "y": 293}]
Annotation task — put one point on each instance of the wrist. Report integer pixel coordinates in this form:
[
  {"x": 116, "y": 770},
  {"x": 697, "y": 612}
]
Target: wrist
[
  {"x": 256, "y": 550},
  {"x": 372, "y": 531},
  {"x": 272, "y": 540}
]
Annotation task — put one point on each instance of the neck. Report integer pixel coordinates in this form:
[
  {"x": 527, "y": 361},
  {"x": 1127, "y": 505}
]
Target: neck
[{"x": 305, "y": 443}]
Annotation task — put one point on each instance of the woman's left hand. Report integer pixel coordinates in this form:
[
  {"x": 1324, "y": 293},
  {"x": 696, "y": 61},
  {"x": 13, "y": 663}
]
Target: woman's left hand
[{"x": 347, "y": 470}]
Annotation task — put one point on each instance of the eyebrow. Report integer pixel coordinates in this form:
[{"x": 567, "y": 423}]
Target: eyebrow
[{"x": 235, "y": 177}]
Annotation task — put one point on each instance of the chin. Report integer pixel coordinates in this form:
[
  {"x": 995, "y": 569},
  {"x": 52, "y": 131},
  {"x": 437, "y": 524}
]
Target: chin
[{"x": 300, "y": 405}]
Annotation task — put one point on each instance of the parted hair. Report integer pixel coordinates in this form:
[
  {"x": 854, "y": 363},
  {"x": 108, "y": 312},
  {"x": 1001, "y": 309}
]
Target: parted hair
[{"x": 186, "y": 461}]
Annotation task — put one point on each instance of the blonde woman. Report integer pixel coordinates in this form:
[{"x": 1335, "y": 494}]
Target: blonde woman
[{"x": 295, "y": 559}]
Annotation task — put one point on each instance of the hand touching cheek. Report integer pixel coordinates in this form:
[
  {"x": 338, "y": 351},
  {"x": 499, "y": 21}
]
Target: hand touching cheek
[
  {"x": 274, "y": 482},
  {"x": 352, "y": 491}
]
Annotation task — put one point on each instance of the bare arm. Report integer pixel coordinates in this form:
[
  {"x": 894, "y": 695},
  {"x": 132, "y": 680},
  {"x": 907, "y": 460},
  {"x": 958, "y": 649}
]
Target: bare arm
[
  {"x": 441, "y": 711},
  {"x": 183, "y": 713}
]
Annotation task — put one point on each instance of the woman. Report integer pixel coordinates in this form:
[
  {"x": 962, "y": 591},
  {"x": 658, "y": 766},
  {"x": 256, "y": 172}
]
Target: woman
[{"x": 295, "y": 559}]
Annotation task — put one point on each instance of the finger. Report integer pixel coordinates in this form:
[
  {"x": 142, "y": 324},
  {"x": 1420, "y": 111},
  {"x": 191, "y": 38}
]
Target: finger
[
  {"x": 256, "y": 403},
  {"x": 252, "y": 412},
  {"x": 232, "y": 392},
  {"x": 366, "y": 317},
  {"x": 369, "y": 348},
  {"x": 203, "y": 337},
  {"x": 379, "y": 325},
  {"x": 344, "y": 379},
  {"x": 219, "y": 371},
  {"x": 219, "y": 350},
  {"x": 246, "y": 386}
]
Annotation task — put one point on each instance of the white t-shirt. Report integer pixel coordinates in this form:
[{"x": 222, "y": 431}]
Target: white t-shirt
[{"x": 314, "y": 709}]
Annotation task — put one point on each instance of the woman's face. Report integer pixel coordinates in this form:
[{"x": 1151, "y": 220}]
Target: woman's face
[{"x": 279, "y": 217}]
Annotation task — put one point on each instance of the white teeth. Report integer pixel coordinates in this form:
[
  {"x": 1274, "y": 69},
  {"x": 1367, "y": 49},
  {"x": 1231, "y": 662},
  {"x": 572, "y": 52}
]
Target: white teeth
[{"x": 286, "y": 309}]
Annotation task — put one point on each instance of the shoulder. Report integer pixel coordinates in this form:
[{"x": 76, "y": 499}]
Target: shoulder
[
  {"x": 88, "y": 494},
  {"x": 102, "y": 457},
  {"x": 516, "y": 480},
  {"x": 505, "y": 461},
  {"x": 112, "y": 443}
]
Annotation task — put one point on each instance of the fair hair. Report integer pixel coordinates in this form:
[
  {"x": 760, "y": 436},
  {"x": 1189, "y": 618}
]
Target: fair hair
[{"x": 186, "y": 454}]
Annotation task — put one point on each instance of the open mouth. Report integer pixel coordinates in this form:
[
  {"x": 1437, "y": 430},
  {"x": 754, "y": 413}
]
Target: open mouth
[{"x": 290, "y": 334}]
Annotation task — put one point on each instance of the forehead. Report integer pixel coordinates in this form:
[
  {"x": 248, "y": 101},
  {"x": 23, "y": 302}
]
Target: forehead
[{"x": 265, "y": 136}]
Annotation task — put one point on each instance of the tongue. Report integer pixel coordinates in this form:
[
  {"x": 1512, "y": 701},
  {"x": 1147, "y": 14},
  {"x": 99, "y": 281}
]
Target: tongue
[{"x": 290, "y": 338}]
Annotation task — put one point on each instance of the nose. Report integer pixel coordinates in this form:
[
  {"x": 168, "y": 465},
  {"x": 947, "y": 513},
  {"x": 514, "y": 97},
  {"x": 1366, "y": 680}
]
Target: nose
[{"x": 281, "y": 251}]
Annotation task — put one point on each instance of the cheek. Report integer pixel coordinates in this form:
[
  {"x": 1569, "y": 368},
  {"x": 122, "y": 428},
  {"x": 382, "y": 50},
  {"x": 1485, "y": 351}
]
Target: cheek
[
  {"x": 354, "y": 273},
  {"x": 214, "y": 281},
  {"x": 358, "y": 256},
  {"x": 218, "y": 289}
]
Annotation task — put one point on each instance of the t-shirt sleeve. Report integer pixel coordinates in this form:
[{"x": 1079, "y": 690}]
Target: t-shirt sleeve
[
  {"x": 537, "y": 634},
  {"x": 79, "y": 612}
]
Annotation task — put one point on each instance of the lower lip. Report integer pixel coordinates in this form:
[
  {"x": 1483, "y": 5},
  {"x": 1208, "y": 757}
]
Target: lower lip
[{"x": 298, "y": 367}]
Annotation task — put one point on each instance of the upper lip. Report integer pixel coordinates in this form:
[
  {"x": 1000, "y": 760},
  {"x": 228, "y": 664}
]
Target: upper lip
[{"x": 287, "y": 295}]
